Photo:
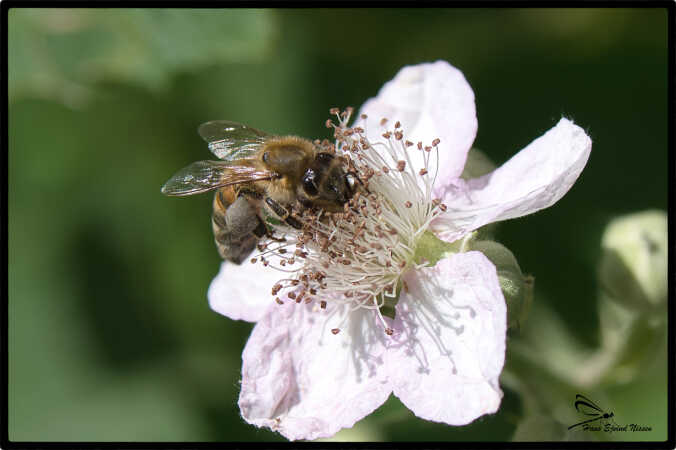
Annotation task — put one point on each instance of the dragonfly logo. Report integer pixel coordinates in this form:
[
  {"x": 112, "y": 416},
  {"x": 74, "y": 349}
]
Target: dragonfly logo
[
  {"x": 600, "y": 419},
  {"x": 589, "y": 408}
]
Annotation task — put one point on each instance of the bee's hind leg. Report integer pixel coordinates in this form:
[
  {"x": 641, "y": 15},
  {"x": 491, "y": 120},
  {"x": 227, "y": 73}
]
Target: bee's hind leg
[
  {"x": 283, "y": 214},
  {"x": 261, "y": 229}
]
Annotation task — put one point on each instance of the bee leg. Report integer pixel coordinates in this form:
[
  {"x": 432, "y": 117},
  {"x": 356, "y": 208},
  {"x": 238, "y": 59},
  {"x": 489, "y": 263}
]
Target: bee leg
[
  {"x": 261, "y": 229},
  {"x": 283, "y": 213}
]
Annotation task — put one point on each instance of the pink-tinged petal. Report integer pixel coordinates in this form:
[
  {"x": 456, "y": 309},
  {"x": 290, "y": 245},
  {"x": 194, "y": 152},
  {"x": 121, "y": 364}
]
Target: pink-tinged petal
[
  {"x": 449, "y": 343},
  {"x": 301, "y": 380},
  {"x": 533, "y": 179},
  {"x": 243, "y": 292},
  {"x": 431, "y": 100}
]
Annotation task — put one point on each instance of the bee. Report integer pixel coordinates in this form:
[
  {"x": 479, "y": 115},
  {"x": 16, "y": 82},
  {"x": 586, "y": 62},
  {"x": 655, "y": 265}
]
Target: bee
[{"x": 258, "y": 178}]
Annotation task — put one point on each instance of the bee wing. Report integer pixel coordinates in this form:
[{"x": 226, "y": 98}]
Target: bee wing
[
  {"x": 203, "y": 176},
  {"x": 231, "y": 141}
]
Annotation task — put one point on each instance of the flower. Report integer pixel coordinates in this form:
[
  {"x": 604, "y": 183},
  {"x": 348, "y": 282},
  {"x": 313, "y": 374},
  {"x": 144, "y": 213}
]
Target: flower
[{"x": 328, "y": 353}]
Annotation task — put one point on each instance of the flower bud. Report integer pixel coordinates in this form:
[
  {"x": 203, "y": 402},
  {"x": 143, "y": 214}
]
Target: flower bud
[
  {"x": 633, "y": 268},
  {"x": 517, "y": 288}
]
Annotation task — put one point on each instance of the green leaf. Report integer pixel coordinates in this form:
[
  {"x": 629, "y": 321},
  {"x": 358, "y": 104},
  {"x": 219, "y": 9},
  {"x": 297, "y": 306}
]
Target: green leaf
[{"x": 61, "y": 54}]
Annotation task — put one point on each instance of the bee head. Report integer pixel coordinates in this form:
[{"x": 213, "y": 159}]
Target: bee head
[{"x": 325, "y": 183}]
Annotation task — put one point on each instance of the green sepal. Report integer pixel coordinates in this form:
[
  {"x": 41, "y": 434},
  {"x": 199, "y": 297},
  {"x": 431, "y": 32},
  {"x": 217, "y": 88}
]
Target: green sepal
[{"x": 516, "y": 287}]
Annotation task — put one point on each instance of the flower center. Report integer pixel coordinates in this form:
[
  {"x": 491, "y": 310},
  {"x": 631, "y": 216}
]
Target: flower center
[{"x": 358, "y": 256}]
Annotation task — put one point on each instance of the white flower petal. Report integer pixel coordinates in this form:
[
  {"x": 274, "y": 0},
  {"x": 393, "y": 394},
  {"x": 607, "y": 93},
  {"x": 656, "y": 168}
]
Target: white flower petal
[
  {"x": 243, "y": 292},
  {"x": 301, "y": 380},
  {"x": 450, "y": 333},
  {"x": 431, "y": 100},
  {"x": 533, "y": 179}
]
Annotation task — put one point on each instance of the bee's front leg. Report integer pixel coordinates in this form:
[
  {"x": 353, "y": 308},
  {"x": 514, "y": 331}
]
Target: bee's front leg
[{"x": 283, "y": 213}]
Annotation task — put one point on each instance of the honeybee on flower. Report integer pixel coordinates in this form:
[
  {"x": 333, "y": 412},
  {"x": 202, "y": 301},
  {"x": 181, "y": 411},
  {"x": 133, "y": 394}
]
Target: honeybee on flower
[{"x": 388, "y": 295}]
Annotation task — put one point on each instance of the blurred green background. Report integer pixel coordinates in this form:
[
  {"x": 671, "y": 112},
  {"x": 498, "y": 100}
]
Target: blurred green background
[{"x": 110, "y": 334}]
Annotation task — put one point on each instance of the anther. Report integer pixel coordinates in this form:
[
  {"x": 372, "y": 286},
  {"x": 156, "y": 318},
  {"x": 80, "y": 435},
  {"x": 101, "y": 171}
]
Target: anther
[
  {"x": 443, "y": 207},
  {"x": 253, "y": 260},
  {"x": 436, "y": 142},
  {"x": 383, "y": 121},
  {"x": 322, "y": 304},
  {"x": 334, "y": 111},
  {"x": 335, "y": 330},
  {"x": 401, "y": 165},
  {"x": 276, "y": 288},
  {"x": 397, "y": 124},
  {"x": 389, "y": 331},
  {"x": 328, "y": 123},
  {"x": 408, "y": 143},
  {"x": 364, "y": 116},
  {"x": 387, "y": 135},
  {"x": 408, "y": 204},
  {"x": 398, "y": 135},
  {"x": 420, "y": 146},
  {"x": 423, "y": 171},
  {"x": 279, "y": 301},
  {"x": 385, "y": 169}
]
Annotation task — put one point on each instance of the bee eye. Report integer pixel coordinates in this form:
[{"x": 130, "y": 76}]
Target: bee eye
[
  {"x": 351, "y": 180},
  {"x": 309, "y": 182}
]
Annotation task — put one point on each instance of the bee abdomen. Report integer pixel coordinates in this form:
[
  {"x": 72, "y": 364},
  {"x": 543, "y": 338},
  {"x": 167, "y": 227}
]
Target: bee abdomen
[{"x": 233, "y": 228}]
